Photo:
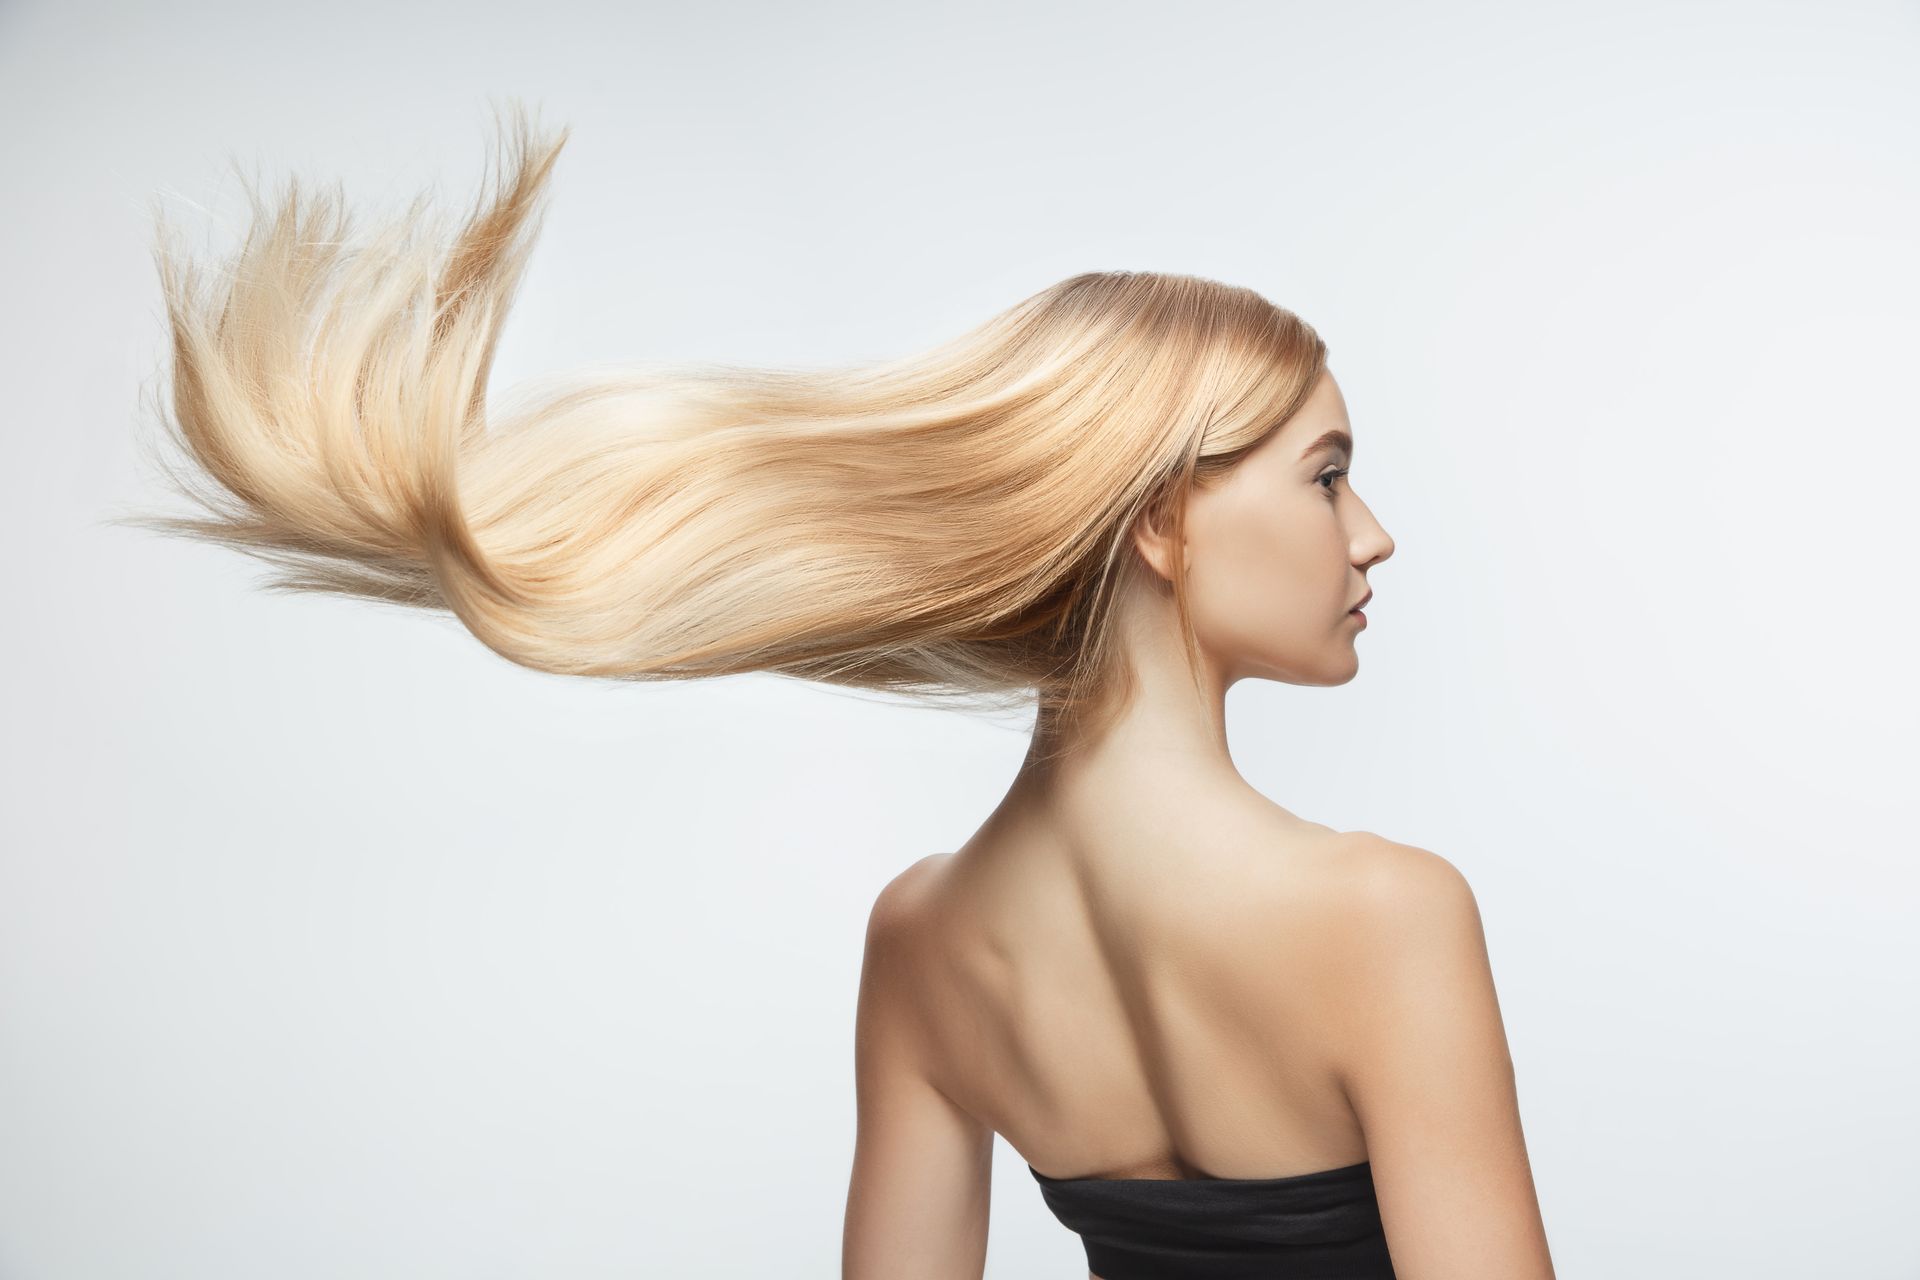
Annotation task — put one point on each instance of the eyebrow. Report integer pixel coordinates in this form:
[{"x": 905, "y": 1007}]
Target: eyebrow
[{"x": 1334, "y": 439}]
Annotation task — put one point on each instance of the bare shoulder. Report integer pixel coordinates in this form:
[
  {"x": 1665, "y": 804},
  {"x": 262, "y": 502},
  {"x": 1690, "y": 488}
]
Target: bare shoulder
[
  {"x": 1420, "y": 1048},
  {"x": 908, "y": 892},
  {"x": 1402, "y": 924},
  {"x": 896, "y": 923},
  {"x": 1345, "y": 932},
  {"x": 1344, "y": 880},
  {"x": 902, "y": 909},
  {"x": 1381, "y": 885},
  {"x": 1274, "y": 921}
]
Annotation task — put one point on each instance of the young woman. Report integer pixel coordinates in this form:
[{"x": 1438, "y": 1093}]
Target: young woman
[{"x": 1228, "y": 1041}]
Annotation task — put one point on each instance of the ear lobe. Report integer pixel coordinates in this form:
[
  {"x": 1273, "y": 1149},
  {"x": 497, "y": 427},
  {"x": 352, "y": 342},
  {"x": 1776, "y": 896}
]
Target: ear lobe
[{"x": 1154, "y": 543}]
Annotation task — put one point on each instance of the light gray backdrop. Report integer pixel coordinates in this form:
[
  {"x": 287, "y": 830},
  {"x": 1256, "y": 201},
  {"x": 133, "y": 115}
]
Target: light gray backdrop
[{"x": 333, "y": 946}]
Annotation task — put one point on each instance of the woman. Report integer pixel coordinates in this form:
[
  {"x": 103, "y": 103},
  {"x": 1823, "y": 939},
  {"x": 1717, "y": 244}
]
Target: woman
[{"x": 1230, "y": 1042}]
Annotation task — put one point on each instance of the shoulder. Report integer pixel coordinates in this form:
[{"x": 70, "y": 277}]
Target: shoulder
[
  {"x": 906, "y": 896},
  {"x": 1375, "y": 883},
  {"x": 1383, "y": 909},
  {"x": 902, "y": 915},
  {"x": 1408, "y": 962},
  {"x": 1342, "y": 922},
  {"x": 1342, "y": 881},
  {"x": 1418, "y": 1045},
  {"x": 889, "y": 1020}
]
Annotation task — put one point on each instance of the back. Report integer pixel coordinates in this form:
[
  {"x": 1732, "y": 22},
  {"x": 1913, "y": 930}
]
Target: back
[{"x": 1187, "y": 1009}]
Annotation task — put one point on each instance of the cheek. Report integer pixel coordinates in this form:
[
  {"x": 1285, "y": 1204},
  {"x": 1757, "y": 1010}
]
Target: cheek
[{"x": 1270, "y": 572}]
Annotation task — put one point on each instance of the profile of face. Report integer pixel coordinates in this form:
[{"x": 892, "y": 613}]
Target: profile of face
[{"x": 1277, "y": 553}]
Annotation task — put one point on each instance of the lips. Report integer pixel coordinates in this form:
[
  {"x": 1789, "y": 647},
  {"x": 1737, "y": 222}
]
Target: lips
[{"x": 1363, "y": 602}]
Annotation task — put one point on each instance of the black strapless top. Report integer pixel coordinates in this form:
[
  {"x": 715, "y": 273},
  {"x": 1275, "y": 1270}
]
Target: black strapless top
[{"x": 1313, "y": 1226}]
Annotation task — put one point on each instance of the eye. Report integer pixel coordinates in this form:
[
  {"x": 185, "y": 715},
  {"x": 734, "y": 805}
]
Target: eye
[{"x": 1330, "y": 476}]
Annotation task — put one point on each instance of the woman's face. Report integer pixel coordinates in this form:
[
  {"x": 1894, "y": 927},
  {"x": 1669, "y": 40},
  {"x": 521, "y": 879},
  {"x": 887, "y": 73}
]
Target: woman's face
[{"x": 1278, "y": 553}]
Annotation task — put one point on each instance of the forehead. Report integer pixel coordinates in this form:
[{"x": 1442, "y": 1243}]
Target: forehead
[{"x": 1321, "y": 426}]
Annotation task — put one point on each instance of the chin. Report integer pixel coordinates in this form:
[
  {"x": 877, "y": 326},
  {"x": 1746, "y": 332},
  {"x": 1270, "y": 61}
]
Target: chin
[{"x": 1344, "y": 667}]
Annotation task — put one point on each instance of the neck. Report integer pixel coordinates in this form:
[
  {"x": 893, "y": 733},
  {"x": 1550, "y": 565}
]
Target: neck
[{"x": 1169, "y": 743}]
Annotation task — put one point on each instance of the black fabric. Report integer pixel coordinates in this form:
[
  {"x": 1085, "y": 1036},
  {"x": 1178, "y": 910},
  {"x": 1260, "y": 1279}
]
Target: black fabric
[{"x": 1313, "y": 1226}]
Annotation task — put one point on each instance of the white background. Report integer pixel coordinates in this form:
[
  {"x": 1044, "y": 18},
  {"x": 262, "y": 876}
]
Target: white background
[{"x": 333, "y": 946}]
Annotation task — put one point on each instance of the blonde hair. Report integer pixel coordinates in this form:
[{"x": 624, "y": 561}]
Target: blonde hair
[{"x": 949, "y": 524}]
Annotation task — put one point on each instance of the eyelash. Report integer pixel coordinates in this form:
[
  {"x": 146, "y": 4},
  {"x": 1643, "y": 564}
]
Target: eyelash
[{"x": 1330, "y": 475}]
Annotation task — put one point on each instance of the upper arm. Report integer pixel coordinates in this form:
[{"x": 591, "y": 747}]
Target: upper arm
[
  {"x": 918, "y": 1196},
  {"x": 1422, "y": 1053}
]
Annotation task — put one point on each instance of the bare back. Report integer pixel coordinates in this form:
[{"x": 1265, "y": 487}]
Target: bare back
[{"x": 1098, "y": 1008}]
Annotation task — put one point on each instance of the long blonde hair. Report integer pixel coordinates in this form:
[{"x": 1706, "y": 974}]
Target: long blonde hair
[{"x": 949, "y": 524}]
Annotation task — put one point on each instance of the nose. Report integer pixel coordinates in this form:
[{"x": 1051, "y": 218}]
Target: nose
[
  {"x": 1371, "y": 543},
  {"x": 1384, "y": 550}
]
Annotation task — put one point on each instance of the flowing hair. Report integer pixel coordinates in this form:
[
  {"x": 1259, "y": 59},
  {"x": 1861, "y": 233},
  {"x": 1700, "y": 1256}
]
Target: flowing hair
[{"x": 953, "y": 524}]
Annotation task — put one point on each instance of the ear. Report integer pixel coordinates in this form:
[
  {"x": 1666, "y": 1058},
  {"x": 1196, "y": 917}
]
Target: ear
[{"x": 1153, "y": 540}]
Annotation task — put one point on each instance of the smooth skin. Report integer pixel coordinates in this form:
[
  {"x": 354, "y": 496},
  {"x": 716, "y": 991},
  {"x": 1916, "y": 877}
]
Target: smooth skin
[{"x": 1142, "y": 967}]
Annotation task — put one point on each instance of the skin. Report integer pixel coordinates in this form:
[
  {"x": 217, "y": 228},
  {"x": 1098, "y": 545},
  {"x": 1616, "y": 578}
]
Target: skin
[{"x": 1141, "y": 967}]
